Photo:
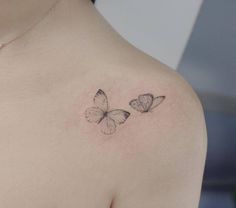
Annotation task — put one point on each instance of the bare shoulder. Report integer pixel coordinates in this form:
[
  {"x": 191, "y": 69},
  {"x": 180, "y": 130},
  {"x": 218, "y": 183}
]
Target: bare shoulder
[
  {"x": 156, "y": 106},
  {"x": 163, "y": 142},
  {"x": 147, "y": 125}
]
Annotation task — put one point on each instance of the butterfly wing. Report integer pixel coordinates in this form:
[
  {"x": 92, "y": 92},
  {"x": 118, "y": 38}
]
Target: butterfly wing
[
  {"x": 146, "y": 101},
  {"x": 136, "y": 105},
  {"x": 101, "y": 101},
  {"x": 118, "y": 116},
  {"x": 108, "y": 126},
  {"x": 94, "y": 114},
  {"x": 157, "y": 101}
]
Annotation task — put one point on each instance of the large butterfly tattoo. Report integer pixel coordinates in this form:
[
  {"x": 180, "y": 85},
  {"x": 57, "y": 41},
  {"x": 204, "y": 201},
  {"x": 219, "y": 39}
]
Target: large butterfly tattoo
[
  {"x": 100, "y": 114},
  {"x": 146, "y": 102}
]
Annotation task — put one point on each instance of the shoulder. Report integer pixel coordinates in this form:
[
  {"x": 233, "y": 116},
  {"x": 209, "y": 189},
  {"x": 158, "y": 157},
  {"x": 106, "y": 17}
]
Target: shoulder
[
  {"x": 176, "y": 125},
  {"x": 154, "y": 159},
  {"x": 179, "y": 116},
  {"x": 164, "y": 149},
  {"x": 181, "y": 111}
]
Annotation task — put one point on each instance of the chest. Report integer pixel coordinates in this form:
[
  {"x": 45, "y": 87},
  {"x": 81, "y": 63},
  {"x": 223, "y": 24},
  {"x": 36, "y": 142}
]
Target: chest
[{"x": 42, "y": 166}]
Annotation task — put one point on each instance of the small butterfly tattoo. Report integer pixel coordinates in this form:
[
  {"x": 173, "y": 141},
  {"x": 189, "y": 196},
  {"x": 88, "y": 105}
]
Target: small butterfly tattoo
[
  {"x": 100, "y": 114},
  {"x": 146, "y": 102}
]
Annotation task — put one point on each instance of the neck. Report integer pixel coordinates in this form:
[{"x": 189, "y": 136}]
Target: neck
[
  {"x": 71, "y": 41},
  {"x": 18, "y": 19},
  {"x": 73, "y": 27}
]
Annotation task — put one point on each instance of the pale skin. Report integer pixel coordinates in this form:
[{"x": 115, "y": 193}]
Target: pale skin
[{"x": 50, "y": 156}]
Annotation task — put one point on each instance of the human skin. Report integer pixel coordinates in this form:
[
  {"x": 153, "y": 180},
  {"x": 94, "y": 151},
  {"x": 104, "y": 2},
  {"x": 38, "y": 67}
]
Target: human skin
[{"x": 50, "y": 156}]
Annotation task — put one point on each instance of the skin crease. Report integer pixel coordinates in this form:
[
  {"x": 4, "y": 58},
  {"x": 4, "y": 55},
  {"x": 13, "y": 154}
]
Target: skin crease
[
  {"x": 50, "y": 156},
  {"x": 17, "y": 17}
]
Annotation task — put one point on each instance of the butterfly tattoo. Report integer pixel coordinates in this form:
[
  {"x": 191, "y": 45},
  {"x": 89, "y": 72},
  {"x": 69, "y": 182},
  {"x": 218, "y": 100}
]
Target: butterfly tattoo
[
  {"x": 146, "y": 102},
  {"x": 100, "y": 114}
]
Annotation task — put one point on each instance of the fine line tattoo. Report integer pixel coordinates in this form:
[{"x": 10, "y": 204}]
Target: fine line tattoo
[
  {"x": 100, "y": 114},
  {"x": 146, "y": 102}
]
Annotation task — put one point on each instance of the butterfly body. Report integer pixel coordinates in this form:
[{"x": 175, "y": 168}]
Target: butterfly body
[
  {"x": 104, "y": 115},
  {"x": 100, "y": 114}
]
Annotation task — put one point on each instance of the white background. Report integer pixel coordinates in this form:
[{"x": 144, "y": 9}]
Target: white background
[{"x": 161, "y": 28}]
